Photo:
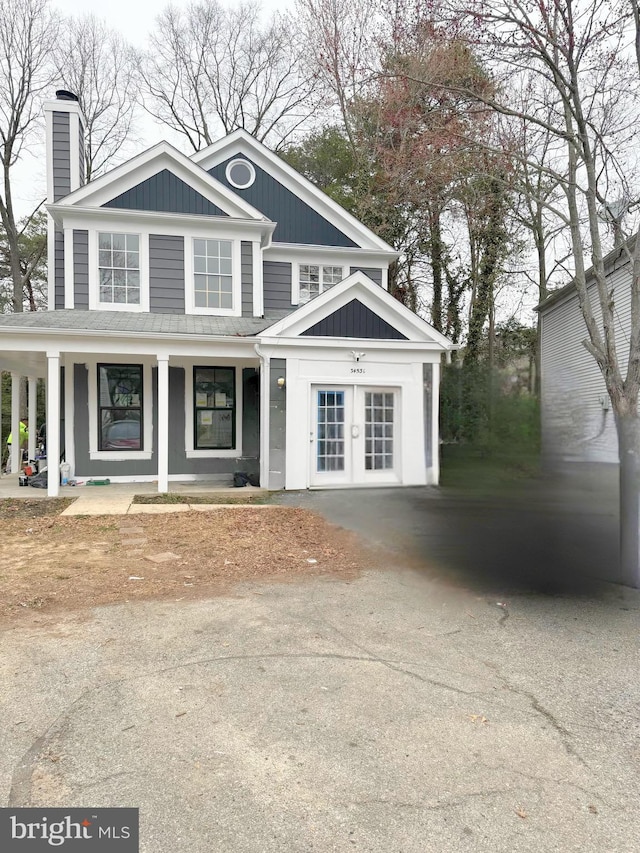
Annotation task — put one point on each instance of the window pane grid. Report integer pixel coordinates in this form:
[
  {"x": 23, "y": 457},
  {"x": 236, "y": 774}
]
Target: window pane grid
[
  {"x": 378, "y": 450},
  {"x": 330, "y": 449},
  {"x": 213, "y": 279},
  {"x": 315, "y": 279},
  {"x": 214, "y": 422},
  {"x": 119, "y": 268},
  {"x": 120, "y": 407}
]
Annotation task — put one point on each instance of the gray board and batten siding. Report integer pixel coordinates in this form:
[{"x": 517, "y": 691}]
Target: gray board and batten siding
[
  {"x": 166, "y": 274},
  {"x": 277, "y": 424},
  {"x": 81, "y": 269},
  {"x": 165, "y": 193},
  {"x": 216, "y": 468},
  {"x": 575, "y": 425},
  {"x": 297, "y": 222},
  {"x": 354, "y": 320}
]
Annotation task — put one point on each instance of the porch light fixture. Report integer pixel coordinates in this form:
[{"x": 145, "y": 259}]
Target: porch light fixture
[
  {"x": 281, "y": 382},
  {"x": 357, "y": 355}
]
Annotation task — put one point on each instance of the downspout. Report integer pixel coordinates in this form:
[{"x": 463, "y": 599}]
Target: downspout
[{"x": 264, "y": 416}]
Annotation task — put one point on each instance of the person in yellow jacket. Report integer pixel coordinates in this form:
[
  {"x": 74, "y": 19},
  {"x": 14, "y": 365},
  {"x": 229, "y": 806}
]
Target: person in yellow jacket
[{"x": 24, "y": 441}]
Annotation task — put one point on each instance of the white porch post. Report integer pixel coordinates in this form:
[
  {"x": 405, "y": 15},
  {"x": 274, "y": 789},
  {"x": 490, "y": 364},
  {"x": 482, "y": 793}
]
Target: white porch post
[
  {"x": 33, "y": 416},
  {"x": 53, "y": 424},
  {"x": 15, "y": 423},
  {"x": 163, "y": 423}
]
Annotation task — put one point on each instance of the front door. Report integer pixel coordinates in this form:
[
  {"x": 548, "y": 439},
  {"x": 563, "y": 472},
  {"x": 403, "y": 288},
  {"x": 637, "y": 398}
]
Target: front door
[{"x": 354, "y": 437}]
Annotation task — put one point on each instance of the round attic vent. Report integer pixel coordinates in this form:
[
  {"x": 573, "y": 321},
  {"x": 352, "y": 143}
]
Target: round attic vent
[{"x": 240, "y": 174}]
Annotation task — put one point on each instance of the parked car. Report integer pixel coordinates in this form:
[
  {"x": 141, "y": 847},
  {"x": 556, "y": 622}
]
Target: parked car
[{"x": 121, "y": 435}]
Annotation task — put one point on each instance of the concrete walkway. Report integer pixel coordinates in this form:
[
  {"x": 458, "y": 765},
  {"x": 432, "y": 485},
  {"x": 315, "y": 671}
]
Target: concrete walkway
[{"x": 123, "y": 505}]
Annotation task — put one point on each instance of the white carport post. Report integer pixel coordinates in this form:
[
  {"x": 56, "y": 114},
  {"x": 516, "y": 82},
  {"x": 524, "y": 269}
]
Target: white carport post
[
  {"x": 163, "y": 423},
  {"x": 15, "y": 423},
  {"x": 33, "y": 416},
  {"x": 53, "y": 424}
]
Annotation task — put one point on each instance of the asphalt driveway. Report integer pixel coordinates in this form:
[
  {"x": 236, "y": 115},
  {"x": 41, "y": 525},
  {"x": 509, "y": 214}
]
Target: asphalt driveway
[{"x": 406, "y": 710}]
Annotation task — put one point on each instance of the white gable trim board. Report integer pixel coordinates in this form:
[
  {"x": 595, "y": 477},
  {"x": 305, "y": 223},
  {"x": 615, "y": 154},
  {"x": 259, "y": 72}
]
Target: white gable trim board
[{"x": 240, "y": 142}]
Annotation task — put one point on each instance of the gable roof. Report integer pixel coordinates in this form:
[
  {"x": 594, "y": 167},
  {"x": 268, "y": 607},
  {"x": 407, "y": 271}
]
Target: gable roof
[
  {"x": 241, "y": 142},
  {"x": 144, "y": 166},
  {"x": 358, "y": 287}
]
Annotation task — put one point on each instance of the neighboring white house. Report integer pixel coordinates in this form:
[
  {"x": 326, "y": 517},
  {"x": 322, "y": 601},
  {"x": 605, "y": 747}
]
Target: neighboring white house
[
  {"x": 577, "y": 420},
  {"x": 216, "y": 313}
]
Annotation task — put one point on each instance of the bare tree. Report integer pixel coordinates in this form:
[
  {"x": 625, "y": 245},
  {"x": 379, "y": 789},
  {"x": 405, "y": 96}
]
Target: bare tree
[
  {"x": 27, "y": 35},
  {"x": 212, "y": 69},
  {"x": 98, "y": 65},
  {"x": 578, "y": 51}
]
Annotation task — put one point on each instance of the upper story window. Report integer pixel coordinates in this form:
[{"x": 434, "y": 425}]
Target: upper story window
[
  {"x": 314, "y": 279},
  {"x": 213, "y": 274},
  {"x": 240, "y": 174},
  {"x": 119, "y": 268}
]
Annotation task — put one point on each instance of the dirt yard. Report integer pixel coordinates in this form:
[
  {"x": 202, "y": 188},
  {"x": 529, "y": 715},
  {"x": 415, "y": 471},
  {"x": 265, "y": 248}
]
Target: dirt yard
[{"x": 51, "y": 563}]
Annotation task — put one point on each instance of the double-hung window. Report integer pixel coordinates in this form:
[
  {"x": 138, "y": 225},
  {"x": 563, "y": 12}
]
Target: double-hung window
[
  {"x": 120, "y": 407},
  {"x": 119, "y": 268},
  {"x": 314, "y": 279},
  {"x": 213, "y": 274},
  {"x": 214, "y": 416}
]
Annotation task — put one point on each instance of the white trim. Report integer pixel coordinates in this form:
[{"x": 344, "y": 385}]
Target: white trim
[
  {"x": 243, "y": 143},
  {"x": 236, "y": 278},
  {"x": 147, "y": 408},
  {"x": 69, "y": 415},
  {"x": 94, "y": 290},
  {"x": 69, "y": 271},
  {"x": 147, "y": 164},
  {"x": 374, "y": 297},
  {"x": 173, "y": 224},
  {"x": 385, "y": 278},
  {"x": 15, "y": 422},
  {"x": 33, "y": 416},
  {"x": 163, "y": 423},
  {"x": 74, "y": 150},
  {"x": 190, "y": 451},
  {"x": 51, "y": 263},
  {"x": 248, "y": 164},
  {"x": 53, "y": 423},
  {"x": 258, "y": 279},
  {"x": 335, "y": 255},
  {"x": 435, "y": 425}
]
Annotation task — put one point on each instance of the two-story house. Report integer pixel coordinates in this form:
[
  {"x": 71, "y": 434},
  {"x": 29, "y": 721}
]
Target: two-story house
[{"x": 216, "y": 313}]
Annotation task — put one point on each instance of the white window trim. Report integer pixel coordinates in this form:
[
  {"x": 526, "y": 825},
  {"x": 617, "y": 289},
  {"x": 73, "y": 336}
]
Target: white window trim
[
  {"x": 249, "y": 165},
  {"x": 190, "y": 451},
  {"x": 147, "y": 411},
  {"x": 295, "y": 278},
  {"x": 94, "y": 277},
  {"x": 236, "y": 278}
]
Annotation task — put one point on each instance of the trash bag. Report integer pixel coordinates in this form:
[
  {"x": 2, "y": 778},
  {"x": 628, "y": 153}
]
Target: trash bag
[
  {"x": 254, "y": 480},
  {"x": 240, "y": 479},
  {"x": 39, "y": 481}
]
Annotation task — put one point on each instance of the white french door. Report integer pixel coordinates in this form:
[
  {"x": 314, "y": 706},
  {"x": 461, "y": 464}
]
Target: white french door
[{"x": 354, "y": 437}]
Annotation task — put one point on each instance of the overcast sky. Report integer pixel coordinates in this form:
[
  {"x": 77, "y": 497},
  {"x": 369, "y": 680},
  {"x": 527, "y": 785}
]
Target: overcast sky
[{"x": 134, "y": 19}]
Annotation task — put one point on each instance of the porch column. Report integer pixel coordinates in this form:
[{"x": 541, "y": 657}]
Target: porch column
[
  {"x": 33, "y": 416},
  {"x": 15, "y": 423},
  {"x": 163, "y": 423},
  {"x": 53, "y": 424}
]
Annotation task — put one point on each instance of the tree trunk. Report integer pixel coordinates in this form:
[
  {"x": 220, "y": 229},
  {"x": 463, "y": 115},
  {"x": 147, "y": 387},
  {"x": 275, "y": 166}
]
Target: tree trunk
[
  {"x": 435, "y": 237},
  {"x": 628, "y": 428}
]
